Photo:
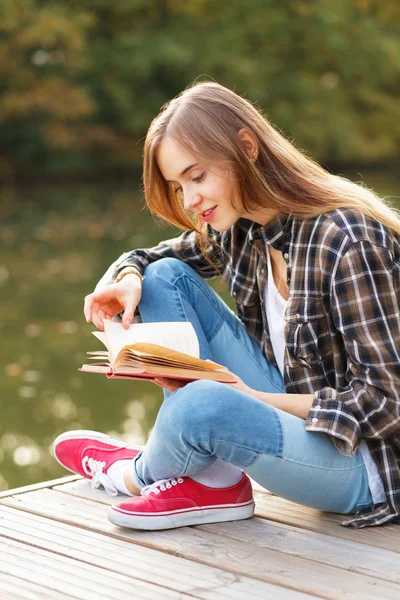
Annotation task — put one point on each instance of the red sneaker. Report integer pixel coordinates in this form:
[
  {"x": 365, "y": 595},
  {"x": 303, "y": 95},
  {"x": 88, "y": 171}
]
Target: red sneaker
[
  {"x": 91, "y": 454},
  {"x": 179, "y": 502}
]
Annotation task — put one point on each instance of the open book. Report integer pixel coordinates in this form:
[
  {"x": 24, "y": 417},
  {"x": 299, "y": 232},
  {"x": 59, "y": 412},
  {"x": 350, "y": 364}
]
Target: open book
[{"x": 150, "y": 350}]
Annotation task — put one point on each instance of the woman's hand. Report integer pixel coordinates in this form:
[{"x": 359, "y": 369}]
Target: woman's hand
[
  {"x": 242, "y": 387},
  {"x": 109, "y": 301},
  {"x": 171, "y": 385}
]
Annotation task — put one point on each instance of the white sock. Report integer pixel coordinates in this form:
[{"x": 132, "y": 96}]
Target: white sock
[
  {"x": 116, "y": 474},
  {"x": 219, "y": 475}
]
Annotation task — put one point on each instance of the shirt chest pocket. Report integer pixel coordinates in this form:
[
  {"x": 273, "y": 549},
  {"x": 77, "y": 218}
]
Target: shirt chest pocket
[
  {"x": 307, "y": 332},
  {"x": 246, "y": 301},
  {"x": 243, "y": 293}
]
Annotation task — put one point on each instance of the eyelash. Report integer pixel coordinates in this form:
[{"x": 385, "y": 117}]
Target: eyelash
[{"x": 198, "y": 179}]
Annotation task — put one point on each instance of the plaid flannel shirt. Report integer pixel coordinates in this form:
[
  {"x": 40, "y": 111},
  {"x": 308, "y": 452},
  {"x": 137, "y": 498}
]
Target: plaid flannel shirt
[{"x": 342, "y": 323}]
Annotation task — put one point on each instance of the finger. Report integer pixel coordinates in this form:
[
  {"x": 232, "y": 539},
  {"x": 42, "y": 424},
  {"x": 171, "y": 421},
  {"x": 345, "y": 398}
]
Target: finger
[
  {"x": 165, "y": 384},
  {"x": 98, "y": 322},
  {"x": 88, "y": 306},
  {"x": 157, "y": 382},
  {"x": 171, "y": 384},
  {"x": 127, "y": 317},
  {"x": 103, "y": 295},
  {"x": 96, "y": 318},
  {"x": 221, "y": 367}
]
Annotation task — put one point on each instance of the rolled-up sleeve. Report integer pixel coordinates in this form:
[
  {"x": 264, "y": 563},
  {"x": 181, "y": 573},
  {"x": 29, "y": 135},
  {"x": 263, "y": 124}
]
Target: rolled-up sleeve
[
  {"x": 365, "y": 295},
  {"x": 185, "y": 247}
]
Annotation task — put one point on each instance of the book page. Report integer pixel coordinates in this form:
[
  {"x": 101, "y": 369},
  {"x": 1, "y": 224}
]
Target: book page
[
  {"x": 100, "y": 335},
  {"x": 179, "y": 336},
  {"x": 96, "y": 369}
]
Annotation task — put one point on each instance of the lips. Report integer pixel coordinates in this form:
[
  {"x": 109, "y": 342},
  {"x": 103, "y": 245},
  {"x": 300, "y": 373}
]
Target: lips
[
  {"x": 207, "y": 212},
  {"x": 206, "y": 215}
]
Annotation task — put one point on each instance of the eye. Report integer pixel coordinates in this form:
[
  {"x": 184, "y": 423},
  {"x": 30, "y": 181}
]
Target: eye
[{"x": 199, "y": 178}]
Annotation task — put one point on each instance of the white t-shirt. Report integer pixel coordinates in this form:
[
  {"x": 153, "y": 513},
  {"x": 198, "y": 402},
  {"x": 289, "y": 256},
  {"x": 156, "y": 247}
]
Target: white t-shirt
[{"x": 275, "y": 306}]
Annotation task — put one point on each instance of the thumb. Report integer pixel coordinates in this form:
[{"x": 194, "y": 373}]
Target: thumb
[
  {"x": 127, "y": 317},
  {"x": 221, "y": 367}
]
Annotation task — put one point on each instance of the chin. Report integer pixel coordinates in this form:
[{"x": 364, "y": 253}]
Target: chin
[
  {"x": 224, "y": 225},
  {"x": 220, "y": 227}
]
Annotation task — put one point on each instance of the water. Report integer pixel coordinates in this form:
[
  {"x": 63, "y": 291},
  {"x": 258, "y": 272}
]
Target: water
[{"x": 55, "y": 244}]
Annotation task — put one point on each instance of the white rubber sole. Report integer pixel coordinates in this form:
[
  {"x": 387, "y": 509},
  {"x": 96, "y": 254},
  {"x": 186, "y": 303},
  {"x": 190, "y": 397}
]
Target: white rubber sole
[
  {"x": 90, "y": 435},
  {"x": 154, "y": 522}
]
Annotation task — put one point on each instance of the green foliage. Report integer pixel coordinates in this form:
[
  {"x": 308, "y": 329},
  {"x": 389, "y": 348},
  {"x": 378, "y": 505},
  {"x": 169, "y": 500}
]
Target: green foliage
[{"x": 81, "y": 80}]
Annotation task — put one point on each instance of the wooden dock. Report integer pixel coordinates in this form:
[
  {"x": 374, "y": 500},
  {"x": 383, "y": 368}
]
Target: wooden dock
[{"x": 56, "y": 543}]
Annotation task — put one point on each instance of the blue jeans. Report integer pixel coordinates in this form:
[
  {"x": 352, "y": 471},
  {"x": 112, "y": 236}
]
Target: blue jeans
[{"x": 206, "y": 420}]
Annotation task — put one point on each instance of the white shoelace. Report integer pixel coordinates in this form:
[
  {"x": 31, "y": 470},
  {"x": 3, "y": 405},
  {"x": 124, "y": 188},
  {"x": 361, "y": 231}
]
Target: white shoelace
[
  {"x": 94, "y": 468},
  {"x": 160, "y": 486}
]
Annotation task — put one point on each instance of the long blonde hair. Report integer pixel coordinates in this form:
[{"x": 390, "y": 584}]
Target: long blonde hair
[{"x": 205, "y": 119}]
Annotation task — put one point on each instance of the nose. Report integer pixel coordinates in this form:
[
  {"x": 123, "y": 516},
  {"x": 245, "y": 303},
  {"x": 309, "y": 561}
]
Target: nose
[{"x": 190, "y": 200}]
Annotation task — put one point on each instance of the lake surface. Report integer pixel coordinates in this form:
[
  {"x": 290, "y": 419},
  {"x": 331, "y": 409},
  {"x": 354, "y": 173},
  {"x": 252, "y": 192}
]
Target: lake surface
[{"x": 55, "y": 243}]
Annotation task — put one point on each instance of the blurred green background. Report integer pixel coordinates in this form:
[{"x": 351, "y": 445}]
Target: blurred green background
[{"x": 79, "y": 84}]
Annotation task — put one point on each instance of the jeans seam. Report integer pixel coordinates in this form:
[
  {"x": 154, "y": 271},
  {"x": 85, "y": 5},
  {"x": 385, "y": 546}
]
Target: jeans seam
[
  {"x": 222, "y": 319},
  {"x": 362, "y": 505},
  {"x": 304, "y": 464},
  {"x": 135, "y": 477},
  {"x": 240, "y": 446},
  {"x": 280, "y": 428},
  {"x": 187, "y": 462},
  {"x": 272, "y": 383},
  {"x": 209, "y": 339}
]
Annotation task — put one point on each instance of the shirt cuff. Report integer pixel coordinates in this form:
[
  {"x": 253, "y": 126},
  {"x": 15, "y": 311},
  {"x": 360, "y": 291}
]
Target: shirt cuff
[{"x": 329, "y": 415}]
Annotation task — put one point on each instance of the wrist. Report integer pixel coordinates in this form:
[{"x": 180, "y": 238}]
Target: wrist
[{"x": 128, "y": 272}]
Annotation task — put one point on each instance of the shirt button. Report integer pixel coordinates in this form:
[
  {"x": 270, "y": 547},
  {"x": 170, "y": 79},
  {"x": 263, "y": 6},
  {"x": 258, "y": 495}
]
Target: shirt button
[
  {"x": 234, "y": 293},
  {"x": 263, "y": 271},
  {"x": 314, "y": 420},
  {"x": 317, "y": 407},
  {"x": 286, "y": 256},
  {"x": 298, "y": 316}
]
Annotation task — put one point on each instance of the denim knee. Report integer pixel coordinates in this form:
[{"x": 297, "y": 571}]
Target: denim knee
[
  {"x": 194, "y": 410},
  {"x": 168, "y": 268},
  {"x": 157, "y": 276},
  {"x": 214, "y": 418}
]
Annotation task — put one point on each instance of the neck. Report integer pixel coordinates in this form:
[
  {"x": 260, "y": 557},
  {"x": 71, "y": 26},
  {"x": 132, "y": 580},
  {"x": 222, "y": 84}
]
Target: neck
[{"x": 262, "y": 216}]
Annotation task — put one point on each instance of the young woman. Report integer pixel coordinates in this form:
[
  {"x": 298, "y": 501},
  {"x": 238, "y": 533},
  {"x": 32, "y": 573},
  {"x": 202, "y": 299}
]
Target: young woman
[{"x": 312, "y": 263}]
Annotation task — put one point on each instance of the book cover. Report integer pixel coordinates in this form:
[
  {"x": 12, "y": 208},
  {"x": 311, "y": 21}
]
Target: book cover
[{"x": 150, "y": 350}]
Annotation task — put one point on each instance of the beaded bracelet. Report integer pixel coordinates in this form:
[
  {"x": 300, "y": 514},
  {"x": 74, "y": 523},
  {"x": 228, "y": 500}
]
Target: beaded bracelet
[{"x": 128, "y": 271}]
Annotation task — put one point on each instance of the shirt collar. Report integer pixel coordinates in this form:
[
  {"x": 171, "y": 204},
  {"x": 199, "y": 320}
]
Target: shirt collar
[{"x": 276, "y": 232}]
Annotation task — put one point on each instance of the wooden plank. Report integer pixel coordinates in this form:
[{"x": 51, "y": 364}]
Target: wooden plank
[
  {"x": 16, "y": 588},
  {"x": 242, "y": 558},
  {"x": 316, "y": 546},
  {"x": 70, "y": 478},
  {"x": 258, "y": 488},
  {"x": 79, "y": 580},
  {"x": 81, "y": 488},
  {"x": 39, "y": 486},
  {"x": 279, "y": 510},
  {"x": 139, "y": 563}
]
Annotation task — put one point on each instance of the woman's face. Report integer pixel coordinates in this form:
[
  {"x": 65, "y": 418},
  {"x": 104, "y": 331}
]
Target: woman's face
[{"x": 206, "y": 190}]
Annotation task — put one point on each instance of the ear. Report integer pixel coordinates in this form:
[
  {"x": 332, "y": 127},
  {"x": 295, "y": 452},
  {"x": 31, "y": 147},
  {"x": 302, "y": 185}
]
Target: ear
[{"x": 249, "y": 142}]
